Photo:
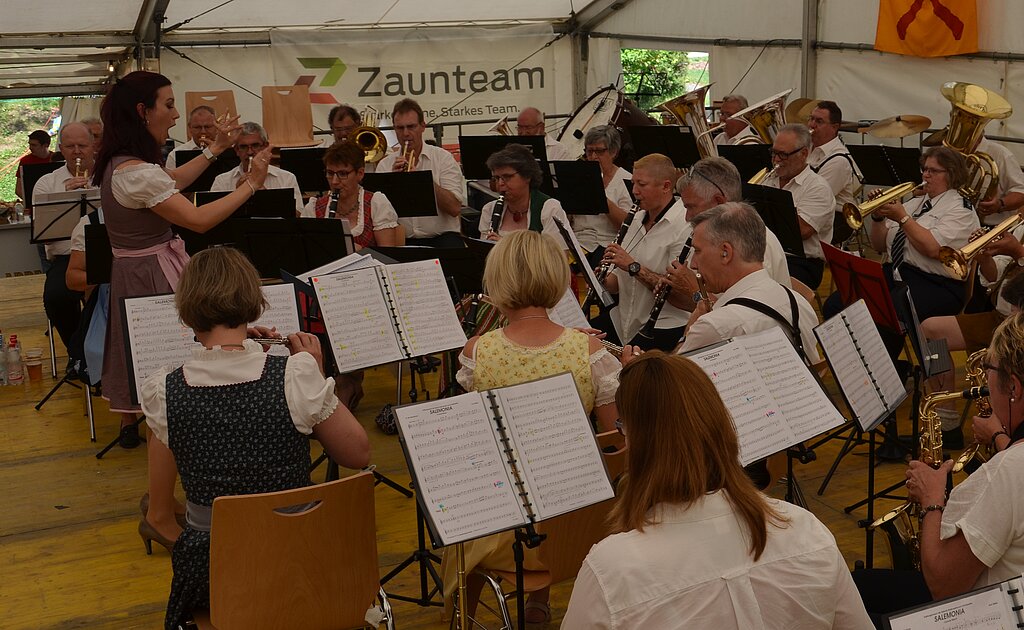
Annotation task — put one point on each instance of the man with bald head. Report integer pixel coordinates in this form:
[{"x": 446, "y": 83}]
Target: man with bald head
[
  {"x": 530, "y": 122},
  {"x": 63, "y": 306}
]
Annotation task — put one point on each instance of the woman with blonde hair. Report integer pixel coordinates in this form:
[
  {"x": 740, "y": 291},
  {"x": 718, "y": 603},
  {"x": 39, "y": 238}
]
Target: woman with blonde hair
[
  {"x": 525, "y": 275},
  {"x": 698, "y": 546}
]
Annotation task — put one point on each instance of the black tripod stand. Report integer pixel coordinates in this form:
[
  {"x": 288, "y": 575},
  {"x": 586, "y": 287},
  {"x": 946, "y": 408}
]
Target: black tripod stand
[
  {"x": 425, "y": 559},
  {"x": 114, "y": 442}
]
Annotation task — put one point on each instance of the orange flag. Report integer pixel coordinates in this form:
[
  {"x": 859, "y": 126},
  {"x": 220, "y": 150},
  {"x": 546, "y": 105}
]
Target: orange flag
[{"x": 927, "y": 28}]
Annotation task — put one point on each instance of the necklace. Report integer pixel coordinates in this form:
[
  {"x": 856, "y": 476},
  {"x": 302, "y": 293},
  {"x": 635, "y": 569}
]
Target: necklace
[
  {"x": 351, "y": 209},
  {"x": 528, "y": 317}
]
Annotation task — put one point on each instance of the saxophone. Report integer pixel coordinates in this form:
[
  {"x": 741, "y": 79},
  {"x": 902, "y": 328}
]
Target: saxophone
[
  {"x": 976, "y": 377},
  {"x": 902, "y": 525}
]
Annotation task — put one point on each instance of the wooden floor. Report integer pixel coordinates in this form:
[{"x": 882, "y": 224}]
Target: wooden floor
[{"x": 70, "y": 556}]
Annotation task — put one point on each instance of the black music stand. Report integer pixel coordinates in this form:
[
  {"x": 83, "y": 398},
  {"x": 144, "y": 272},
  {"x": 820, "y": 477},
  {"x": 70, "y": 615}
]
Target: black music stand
[
  {"x": 777, "y": 210},
  {"x": 886, "y": 166},
  {"x": 411, "y": 194},
  {"x": 475, "y": 150},
  {"x": 673, "y": 141},
  {"x": 465, "y": 265},
  {"x": 749, "y": 159},
  {"x": 55, "y": 218},
  {"x": 579, "y": 187},
  {"x": 225, "y": 162},
  {"x": 30, "y": 174},
  {"x": 269, "y": 203},
  {"x": 307, "y": 165}
]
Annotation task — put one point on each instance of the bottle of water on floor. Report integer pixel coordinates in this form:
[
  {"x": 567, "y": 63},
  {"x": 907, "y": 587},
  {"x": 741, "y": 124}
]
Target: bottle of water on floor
[{"x": 15, "y": 376}]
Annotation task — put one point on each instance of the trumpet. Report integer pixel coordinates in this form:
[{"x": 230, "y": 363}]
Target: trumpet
[
  {"x": 78, "y": 168},
  {"x": 855, "y": 214},
  {"x": 958, "y": 261},
  {"x": 410, "y": 157}
]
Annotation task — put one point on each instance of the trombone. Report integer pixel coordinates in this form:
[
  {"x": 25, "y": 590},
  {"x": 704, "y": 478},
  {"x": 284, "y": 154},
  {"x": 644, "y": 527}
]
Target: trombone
[
  {"x": 856, "y": 213},
  {"x": 958, "y": 261}
]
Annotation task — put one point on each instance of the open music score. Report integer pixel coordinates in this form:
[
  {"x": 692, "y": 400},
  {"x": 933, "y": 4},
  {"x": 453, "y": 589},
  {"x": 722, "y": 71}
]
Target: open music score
[
  {"x": 490, "y": 461},
  {"x": 156, "y": 338},
  {"x": 862, "y": 366},
  {"x": 387, "y": 313},
  {"x": 568, "y": 311},
  {"x": 994, "y": 607},
  {"x": 774, "y": 400}
]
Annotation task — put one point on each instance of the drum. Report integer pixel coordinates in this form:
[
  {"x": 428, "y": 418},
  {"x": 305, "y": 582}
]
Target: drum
[{"x": 607, "y": 106}]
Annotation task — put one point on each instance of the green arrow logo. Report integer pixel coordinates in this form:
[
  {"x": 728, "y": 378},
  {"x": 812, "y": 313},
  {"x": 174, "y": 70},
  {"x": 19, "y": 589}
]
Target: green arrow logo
[{"x": 335, "y": 68}]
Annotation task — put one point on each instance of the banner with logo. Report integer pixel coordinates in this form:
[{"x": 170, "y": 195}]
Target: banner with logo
[
  {"x": 453, "y": 73},
  {"x": 927, "y": 28}
]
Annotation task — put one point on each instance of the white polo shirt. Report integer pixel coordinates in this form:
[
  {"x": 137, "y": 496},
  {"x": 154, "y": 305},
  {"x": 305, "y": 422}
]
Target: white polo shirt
[
  {"x": 276, "y": 178},
  {"x": 446, "y": 174}
]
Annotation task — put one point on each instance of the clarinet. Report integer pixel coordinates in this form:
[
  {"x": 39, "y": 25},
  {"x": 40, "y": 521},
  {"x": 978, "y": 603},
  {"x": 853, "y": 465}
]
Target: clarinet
[
  {"x": 332, "y": 207},
  {"x": 497, "y": 213},
  {"x": 605, "y": 268},
  {"x": 647, "y": 332}
]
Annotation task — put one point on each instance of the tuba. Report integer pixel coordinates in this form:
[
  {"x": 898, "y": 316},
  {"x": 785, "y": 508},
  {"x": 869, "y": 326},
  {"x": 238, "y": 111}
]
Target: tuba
[
  {"x": 369, "y": 137},
  {"x": 976, "y": 376},
  {"x": 765, "y": 118},
  {"x": 973, "y": 107},
  {"x": 901, "y": 525},
  {"x": 958, "y": 261},
  {"x": 856, "y": 213},
  {"x": 688, "y": 111}
]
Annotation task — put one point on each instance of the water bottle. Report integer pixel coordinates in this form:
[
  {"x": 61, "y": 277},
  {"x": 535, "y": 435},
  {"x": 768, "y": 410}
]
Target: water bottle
[{"x": 15, "y": 376}]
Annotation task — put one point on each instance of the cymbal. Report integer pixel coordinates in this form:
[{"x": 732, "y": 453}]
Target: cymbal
[
  {"x": 899, "y": 126},
  {"x": 795, "y": 110},
  {"x": 934, "y": 139}
]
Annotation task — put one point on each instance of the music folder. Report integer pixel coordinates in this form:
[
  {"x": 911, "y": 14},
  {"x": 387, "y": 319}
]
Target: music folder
[
  {"x": 995, "y": 606},
  {"x": 747, "y": 158},
  {"x": 579, "y": 187},
  {"x": 474, "y": 151},
  {"x": 886, "y": 166},
  {"x": 779, "y": 215},
  {"x": 673, "y": 141},
  {"x": 411, "y": 194},
  {"x": 269, "y": 203},
  {"x": 55, "y": 215},
  {"x": 225, "y": 162},
  {"x": 307, "y": 165}
]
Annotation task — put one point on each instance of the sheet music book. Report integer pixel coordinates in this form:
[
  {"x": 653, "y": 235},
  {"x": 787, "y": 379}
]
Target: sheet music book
[
  {"x": 387, "y": 313},
  {"x": 155, "y": 336},
  {"x": 994, "y": 607},
  {"x": 862, "y": 366},
  {"x": 774, "y": 400},
  {"x": 489, "y": 461}
]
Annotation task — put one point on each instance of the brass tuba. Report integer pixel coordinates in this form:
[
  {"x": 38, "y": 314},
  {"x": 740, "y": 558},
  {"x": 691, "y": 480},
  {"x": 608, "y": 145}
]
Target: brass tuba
[
  {"x": 688, "y": 110},
  {"x": 958, "y": 261},
  {"x": 975, "y": 375},
  {"x": 369, "y": 137},
  {"x": 973, "y": 107},
  {"x": 765, "y": 118},
  {"x": 856, "y": 213}
]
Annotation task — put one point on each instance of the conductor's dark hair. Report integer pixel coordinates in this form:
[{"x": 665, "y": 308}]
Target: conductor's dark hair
[{"x": 124, "y": 128}]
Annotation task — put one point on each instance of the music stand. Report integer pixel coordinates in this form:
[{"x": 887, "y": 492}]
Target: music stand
[
  {"x": 411, "y": 194},
  {"x": 749, "y": 159},
  {"x": 579, "y": 187},
  {"x": 673, "y": 141},
  {"x": 776, "y": 208},
  {"x": 55, "y": 216},
  {"x": 307, "y": 165},
  {"x": 463, "y": 264},
  {"x": 225, "y": 162},
  {"x": 932, "y": 354},
  {"x": 270, "y": 203},
  {"x": 30, "y": 174},
  {"x": 886, "y": 166},
  {"x": 475, "y": 150}
]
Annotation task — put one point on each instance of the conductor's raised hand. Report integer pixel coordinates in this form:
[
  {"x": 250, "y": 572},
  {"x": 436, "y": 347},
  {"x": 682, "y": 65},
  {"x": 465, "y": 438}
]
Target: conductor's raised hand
[
  {"x": 305, "y": 342},
  {"x": 258, "y": 170},
  {"x": 227, "y": 132}
]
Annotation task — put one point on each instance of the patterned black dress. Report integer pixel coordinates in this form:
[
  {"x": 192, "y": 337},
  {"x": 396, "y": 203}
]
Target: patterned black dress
[{"x": 227, "y": 440}]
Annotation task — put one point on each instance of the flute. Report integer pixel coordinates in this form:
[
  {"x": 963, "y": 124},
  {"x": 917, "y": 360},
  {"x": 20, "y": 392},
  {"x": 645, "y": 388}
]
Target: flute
[{"x": 271, "y": 341}]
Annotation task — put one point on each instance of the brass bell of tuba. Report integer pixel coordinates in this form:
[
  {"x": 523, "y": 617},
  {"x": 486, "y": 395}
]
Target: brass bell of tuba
[
  {"x": 688, "y": 110},
  {"x": 973, "y": 107},
  {"x": 765, "y": 118},
  {"x": 958, "y": 261},
  {"x": 369, "y": 137}
]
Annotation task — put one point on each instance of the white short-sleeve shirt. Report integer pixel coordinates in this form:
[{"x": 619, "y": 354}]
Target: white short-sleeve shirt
[
  {"x": 814, "y": 203},
  {"x": 446, "y": 174},
  {"x": 382, "y": 213},
  {"x": 276, "y": 178},
  {"x": 951, "y": 221}
]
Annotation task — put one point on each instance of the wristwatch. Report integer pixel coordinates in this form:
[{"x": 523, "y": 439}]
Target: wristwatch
[
  {"x": 905, "y": 218},
  {"x": 208, "y": 154},
  {"x": 633, "y": 268},
  {"x": 1020, "y": 261}
]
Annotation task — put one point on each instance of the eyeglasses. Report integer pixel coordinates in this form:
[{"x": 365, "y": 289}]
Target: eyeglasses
[
  {"x": 505, "y": 178},
  {"x": 927, "y": 170},
  {"x": 596, "y": 150},
  {"x": 820, "y": 121},
  {"x": 342, "y": 130},
  {"x": 783, "y": 155},
  {"x": 245, "y": 148},
  {"x": 339, "y": 174}
]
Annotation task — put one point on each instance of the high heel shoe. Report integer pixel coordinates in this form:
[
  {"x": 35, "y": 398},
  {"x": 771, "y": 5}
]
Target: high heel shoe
[
  {"x": 144, "y": 509},
  {"x": 149, "y": 534}
]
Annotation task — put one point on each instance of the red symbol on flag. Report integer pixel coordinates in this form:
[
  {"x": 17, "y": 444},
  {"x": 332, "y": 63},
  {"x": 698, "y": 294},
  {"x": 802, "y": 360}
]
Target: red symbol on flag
[{"x": 955, "y": 25}]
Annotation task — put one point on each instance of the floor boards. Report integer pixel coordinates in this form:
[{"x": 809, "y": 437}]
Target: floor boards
[{"x": 70, "y": 556}]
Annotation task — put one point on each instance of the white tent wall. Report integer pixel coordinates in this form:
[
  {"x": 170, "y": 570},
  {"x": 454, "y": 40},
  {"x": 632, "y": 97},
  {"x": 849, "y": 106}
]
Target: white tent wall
[{"x": 732, "y": 19}]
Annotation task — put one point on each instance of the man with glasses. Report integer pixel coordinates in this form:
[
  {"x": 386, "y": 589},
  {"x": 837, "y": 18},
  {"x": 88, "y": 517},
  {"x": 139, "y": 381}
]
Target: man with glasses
[
  {"x": 530, "y": 122},
  {"x": 251, "y": 140},
  {"x": 812, "y": 197},
  {"x": 449, "y": 184},
  {"x": 735, "y": 129},
  {"x": 202, "y": 126},
  {"x": 830, "y": 158}
]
